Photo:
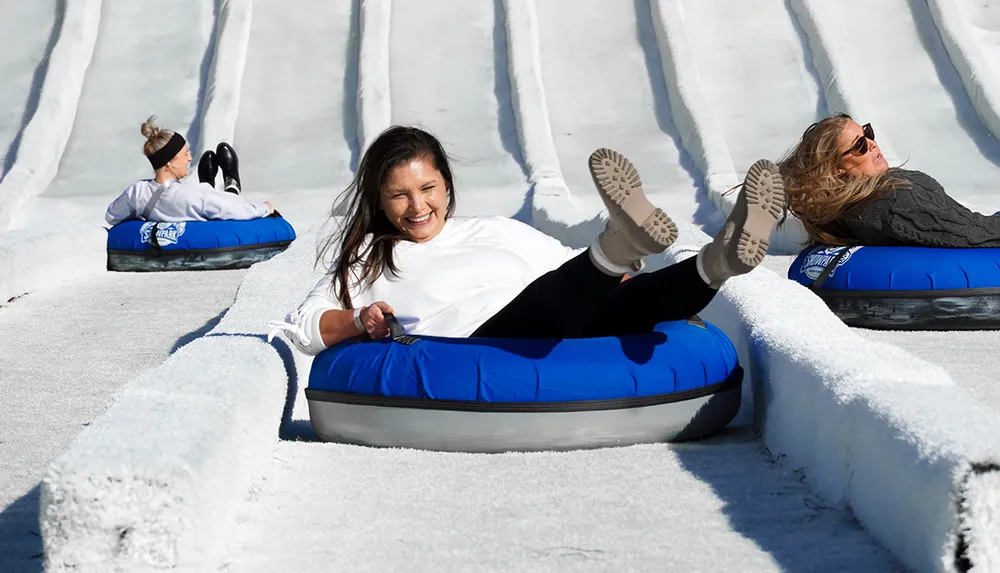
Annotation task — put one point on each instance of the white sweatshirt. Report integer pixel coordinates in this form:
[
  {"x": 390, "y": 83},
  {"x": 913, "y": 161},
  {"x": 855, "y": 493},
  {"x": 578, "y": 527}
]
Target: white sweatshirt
[
  {"x": 450, "y": 285},
  {"x": 182, "y": 201}
]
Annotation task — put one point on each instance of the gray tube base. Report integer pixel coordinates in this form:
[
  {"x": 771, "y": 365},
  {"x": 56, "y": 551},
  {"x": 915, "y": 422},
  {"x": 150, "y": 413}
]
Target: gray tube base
[
  {"x": 492, "y": 432},
  {"x": 203, "y": 260},
  {"x": 973, "y": 309}
]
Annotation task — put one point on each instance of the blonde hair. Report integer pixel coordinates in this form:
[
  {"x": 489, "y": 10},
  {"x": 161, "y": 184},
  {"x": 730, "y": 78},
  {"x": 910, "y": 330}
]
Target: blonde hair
[
  {"x": 817, "y": 191},
  {"x": 156, "y": 138}
]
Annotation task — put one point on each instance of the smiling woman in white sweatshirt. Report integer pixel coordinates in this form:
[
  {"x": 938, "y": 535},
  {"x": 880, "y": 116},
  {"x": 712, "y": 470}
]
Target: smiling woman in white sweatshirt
[
  {"x": 168, "y": 198},
  {"x": 401, "y": 251}
]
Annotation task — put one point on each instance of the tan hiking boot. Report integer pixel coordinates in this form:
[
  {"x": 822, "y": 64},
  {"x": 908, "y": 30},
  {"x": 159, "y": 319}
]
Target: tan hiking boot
[
  {"x": 742, "y": 243},
  {"x": 635, "y": 227}
]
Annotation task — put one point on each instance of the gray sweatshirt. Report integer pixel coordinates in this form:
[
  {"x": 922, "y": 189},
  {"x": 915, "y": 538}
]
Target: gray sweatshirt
[
  {"x": 182, "y": 201},
  {"x": 920, "y": 213}
]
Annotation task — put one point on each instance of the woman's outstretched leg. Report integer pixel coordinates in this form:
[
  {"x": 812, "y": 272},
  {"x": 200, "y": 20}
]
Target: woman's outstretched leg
[
  {"x": 682, "y": 290},
  {"x": 585, "y": 298},
  {"x": 207, "y": 168},
  {"x": 563, "y": 302},
  {"x": 229, "y": 162},
  {"x": 676, "y": 292}
]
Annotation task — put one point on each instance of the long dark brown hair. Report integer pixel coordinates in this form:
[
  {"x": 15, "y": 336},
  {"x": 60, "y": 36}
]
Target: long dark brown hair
[
  {"x": 357, "y": 263},
  {"x": 817, "y": 192}
]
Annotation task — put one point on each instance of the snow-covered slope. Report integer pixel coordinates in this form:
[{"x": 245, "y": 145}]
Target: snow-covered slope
[
  {"x": 520, "y": 93},
  {"x": 756, "y": 74},
  {"x": 149, "y": 60},
  {"x": 22, "y": 65},
  {"x": 718, "y": 505},
  {"x": 65, "y": 352},
  {"x": 984, "y": 18},
  {"x": 459, "y": 89},
  {"x": 296, "y": 126},
  {"x": 604, "y": 87}
]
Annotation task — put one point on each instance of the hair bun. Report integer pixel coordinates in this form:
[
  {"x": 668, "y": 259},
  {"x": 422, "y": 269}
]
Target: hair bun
[{"x": 149, "y": 129}]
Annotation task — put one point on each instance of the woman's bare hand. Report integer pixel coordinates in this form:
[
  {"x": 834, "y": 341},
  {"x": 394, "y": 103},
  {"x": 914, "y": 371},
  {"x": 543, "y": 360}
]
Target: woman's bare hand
[{"x": 373, "y": 319}]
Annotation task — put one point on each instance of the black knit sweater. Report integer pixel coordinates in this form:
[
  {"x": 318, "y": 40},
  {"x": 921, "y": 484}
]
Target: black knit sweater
[{"x": 919, "y": 213}]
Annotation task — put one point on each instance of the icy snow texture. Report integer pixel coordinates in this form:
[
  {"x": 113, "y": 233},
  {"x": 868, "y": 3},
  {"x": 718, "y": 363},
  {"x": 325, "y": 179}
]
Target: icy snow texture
[
  {"x": 46, "y": 135},
  {"x": 151, "y": 481},
  {"x": 222, "y": 94},
  {"x": 872, "y": 427},
  {"x": 876, "y": 428},
  {"x": 979, "y": 79}
]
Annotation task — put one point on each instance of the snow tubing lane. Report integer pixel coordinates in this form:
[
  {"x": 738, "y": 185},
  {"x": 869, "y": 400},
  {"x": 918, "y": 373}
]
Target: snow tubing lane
[
  {"x": 905, "y": 288},
  {"x": 139, "y": 246},
  {"x": 681, "y": 381}
]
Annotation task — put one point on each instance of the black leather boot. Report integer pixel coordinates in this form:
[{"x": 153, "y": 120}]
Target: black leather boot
[
  {"x": 207, "y": 168},
  {"x": 226, "y": 157}
]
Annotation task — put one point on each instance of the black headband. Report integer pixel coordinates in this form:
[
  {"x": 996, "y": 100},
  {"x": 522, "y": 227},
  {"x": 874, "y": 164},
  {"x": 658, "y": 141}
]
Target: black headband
[{"x": 163, "y": 155}]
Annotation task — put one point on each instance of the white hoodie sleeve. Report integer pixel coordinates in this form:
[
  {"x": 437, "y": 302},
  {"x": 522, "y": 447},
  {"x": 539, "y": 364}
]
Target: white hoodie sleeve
[
  {"x": 222, "y": 205},
  {"x": 320, "y": 300},
  {"x": 301, "y": 326},
  {"x": 122, "y": 208}
]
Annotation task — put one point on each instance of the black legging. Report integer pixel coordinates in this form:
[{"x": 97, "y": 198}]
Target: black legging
[{"x": 578, "y": 300}]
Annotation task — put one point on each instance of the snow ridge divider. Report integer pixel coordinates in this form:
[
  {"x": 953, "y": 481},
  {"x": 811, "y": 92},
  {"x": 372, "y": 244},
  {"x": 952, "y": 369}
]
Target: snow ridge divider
[
  {"x": 225, "y": 81},
  {"x": 45, "y": 136},
  {"x": 873, "y": 427},
  {"x": 374, "y": 90},
  {"x": 154, "y": 482},
  {"x": 550, "y": 194},
  {"x": 978, "y": 77},
  {"x": 699, "y": 131},
  {"x": 30, "y": 258},
  {"x": 816, "y": 17}
]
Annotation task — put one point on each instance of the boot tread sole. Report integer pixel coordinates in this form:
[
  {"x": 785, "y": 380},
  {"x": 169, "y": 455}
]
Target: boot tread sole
[
  {"x": 764, "y": 194},
  {"x": 618, "y": 183}
]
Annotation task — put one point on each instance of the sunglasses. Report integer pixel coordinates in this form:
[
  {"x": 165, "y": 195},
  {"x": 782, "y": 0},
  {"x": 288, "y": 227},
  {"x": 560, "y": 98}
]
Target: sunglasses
[{"x": 860, "y": 146}]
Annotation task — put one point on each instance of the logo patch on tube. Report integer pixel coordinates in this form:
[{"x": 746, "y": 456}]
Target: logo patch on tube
[
  {"x": 166, "y": 233},
  {"x": 820, "y": 257}
]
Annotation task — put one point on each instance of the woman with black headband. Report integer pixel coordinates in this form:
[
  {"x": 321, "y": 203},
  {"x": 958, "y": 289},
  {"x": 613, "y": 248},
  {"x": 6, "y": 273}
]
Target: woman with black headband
[{"x": 166, "y": 198}]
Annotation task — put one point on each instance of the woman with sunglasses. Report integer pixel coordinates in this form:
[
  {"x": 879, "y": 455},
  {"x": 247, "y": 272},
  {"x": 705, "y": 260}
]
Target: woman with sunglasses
[{"x": 839, "y": 185}]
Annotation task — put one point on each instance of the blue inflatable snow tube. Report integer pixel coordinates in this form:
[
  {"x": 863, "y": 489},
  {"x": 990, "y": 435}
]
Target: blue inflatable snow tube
[
  {"x": 905, "y": 288},
  {"x": 681, "y": 381},
  {"x": 196, "y": 245}
]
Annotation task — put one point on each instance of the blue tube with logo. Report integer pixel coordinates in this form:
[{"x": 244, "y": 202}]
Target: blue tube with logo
[
  {"x": 137, "y": 246},
  {"x": 905, "y": 288}
]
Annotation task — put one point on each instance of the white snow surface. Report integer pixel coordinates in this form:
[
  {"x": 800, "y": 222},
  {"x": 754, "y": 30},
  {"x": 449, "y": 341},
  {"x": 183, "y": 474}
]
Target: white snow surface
[
  {"x": 133, "y": 74},
  {"x": 96, "y": 333},
  {"x": 34, "y": 24},
  {"x": 864, "y": 460},
  {"x": 880, "y": 430},
  {"x": 969, "y": 34},
  {"x": 617, "y": 99},
  {"x": 688, "y": 506},
  {"x": 51, "y": 108},
  {"x": 718, "y": 504},
  {"x": 984, "y": 20},
  {"x": 465, "y": 101},
  {"x": 296, "y": 129},
  {"x": 755, "y": 74}
]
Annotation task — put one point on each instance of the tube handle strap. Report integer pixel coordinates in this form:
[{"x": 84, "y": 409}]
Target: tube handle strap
[
  {"x": 148, "y": 209},
  {"x": 396, "y": 331},
  {"x": 828, "y": 270}
]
